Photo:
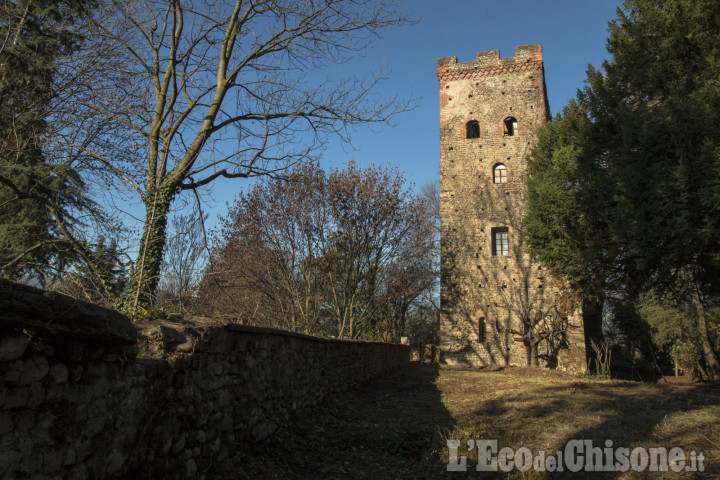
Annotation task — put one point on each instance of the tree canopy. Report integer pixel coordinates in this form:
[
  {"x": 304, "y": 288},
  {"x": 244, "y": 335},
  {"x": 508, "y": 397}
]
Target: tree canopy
[
  {"x": 624, "y": 184},
  {"x": 347, "y": 253}
]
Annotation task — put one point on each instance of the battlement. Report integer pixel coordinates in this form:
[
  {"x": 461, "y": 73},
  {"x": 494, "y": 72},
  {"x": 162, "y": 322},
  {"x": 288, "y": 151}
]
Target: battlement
[{"x": 489, "y": 63}]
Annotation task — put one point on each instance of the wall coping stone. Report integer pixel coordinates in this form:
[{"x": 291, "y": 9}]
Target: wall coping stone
[
  {"x": 23, "y": 307},
  {"x": 236, "y": 327}
]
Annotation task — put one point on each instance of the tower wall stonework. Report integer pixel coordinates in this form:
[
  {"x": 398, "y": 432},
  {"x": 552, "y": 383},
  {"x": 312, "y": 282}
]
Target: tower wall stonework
[{"x": 493, "y": 304}]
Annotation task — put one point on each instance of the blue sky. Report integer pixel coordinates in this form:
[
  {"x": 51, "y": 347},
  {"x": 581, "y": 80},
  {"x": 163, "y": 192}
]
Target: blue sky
[{"x": 573, "y": 34}]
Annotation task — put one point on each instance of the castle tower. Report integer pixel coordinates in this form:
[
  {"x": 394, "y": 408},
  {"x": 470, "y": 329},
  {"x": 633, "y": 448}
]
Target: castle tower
[{"x": 498, "y": 305}]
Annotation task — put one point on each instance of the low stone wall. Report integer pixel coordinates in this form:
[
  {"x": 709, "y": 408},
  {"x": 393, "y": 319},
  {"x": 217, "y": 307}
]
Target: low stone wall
[
  {"x": 76, "y": 402},
  {"x": 425, "y": 353}
]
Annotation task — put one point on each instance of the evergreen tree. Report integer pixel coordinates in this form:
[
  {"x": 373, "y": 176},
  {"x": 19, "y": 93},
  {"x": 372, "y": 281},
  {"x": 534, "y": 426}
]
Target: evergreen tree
[
  {"x": 569, "y": 213},
  {"x": 38, "y": 200},
  {"x": 637, "y": 162},
  {"x": 101, "y": 279}
]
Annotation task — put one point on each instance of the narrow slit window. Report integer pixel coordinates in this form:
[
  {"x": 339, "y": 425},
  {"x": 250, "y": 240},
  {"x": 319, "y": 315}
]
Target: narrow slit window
[
  {"x": 501, "y": 242},
  {"x": 500, "y": 173},
  {"x": 482, "y": 329},
  {"x": 510, "y": 126},
  {"x": 473, "y": 129}
]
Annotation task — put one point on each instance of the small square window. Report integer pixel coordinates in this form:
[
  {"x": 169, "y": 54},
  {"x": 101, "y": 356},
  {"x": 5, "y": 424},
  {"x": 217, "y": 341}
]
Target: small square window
[
  {"x": 501, "y": 242},
  {"x": 472, "y": 129}
]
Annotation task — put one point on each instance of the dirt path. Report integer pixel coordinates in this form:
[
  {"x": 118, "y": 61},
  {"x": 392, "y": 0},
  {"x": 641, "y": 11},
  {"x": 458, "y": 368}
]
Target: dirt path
[
  {"x": 385, "y": 430},
  {"x": 396, "y": 426}
]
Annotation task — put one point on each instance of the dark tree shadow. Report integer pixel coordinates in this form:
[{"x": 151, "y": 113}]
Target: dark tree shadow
[{"x": 390, "y": 427}]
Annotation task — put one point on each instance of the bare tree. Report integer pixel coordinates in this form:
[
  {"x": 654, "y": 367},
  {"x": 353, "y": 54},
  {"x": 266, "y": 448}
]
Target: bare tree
[
  {"x": 170, "y": 96},
  {"x": 184, "y": 259},
  {"x": 414, "y": 302},
  {"x": 345, "y": 253},
  {"x": 264, "y": 262},
  {"x": 376, "y": 262}
]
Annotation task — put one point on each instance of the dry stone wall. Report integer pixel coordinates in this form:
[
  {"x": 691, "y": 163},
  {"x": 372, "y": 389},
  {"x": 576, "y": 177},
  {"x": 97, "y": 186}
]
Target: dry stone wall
[{"x": 77, "y": 402}]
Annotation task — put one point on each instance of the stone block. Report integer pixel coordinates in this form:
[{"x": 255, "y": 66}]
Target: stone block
[
  {"x": 263, "y": 429},
  {"x": 97, "y": 387},
  {"x": 190, "y": 468},
  {"x": 12, "y": 346},
  {"x": 31, "y": 458},
  {"x": 55, "y": 314},
  {"x": 97, "y": 417},
  {"x": 6, "y": 422},
  {"x": 179, "y": 445},
  {"x": 70, "y": 456},
  {"x": 74, "y": 351},
  {"x": 53, "y": 460},
  {"x": 111, "y": 357},
  {"x": 83, "y": 449},
  {"x": 24, "y": 420},
  {"x": 94, "y": 353},
  {"x": 96, "y": 370},
  {"x": 77, "y": 473},
  {"x": 59, "y": 373},
  {"x": 167, "y": 443},
  {"x": 37, "y": 395},
  {"x": 115, "y": 462},
  {"x": 13, "y": 371},
  {"x": 17, "y": 397},
  {"x": 76, "y": 373}
]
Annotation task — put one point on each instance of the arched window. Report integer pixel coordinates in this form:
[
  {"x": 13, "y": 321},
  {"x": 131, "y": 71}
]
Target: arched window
[
  {"x": 472, "y": 129},
  {"x": 482, "y": 330},
  {"x": 500, "y": 173},
  {"x": 510, "y": 126}
]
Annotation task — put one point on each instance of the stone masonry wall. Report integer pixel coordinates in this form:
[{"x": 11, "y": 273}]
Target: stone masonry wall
[
  {"x": 483, "y": 295},
  {"x": 77, "y": 403}
]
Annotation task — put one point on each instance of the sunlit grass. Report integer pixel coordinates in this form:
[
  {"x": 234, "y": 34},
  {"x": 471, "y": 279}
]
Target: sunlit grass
[{"x": 540, "y": 411}]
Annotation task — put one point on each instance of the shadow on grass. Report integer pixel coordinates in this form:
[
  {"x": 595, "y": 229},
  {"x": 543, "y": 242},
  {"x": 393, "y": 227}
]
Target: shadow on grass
[
  {"x": 391, "y": 427},
  {"x": 547, "y": 417}
]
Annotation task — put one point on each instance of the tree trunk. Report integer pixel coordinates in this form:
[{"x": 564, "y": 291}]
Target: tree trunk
[
  {"x": 713, "y": 369},
  {"x": 592, "y": 329},
  {"x": 531, "y": 349},
  {"x": 146, "y": 276},
  {"x": 534, "y": 354}
]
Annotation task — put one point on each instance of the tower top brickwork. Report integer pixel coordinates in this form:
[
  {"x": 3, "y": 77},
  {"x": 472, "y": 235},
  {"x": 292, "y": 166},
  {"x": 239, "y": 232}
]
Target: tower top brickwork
[
  {"x": 525, "y": 71},
  {"x": 488, "y": 63}
]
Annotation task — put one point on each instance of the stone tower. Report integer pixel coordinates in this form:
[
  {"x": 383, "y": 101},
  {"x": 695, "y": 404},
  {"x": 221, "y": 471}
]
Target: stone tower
[{"x": 498, "y": 305}]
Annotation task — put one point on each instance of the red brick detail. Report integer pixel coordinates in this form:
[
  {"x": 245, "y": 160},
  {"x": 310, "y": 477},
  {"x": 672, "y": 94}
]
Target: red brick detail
[{"x": 466, "y": 71}]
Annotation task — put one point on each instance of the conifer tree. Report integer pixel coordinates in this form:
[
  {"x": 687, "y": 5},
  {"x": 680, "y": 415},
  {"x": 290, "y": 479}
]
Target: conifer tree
[
  {"x": 631, "y": 167},
  {"x": 38, "y": 199}
]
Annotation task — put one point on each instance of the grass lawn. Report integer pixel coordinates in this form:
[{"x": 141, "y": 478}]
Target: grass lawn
[{"x": 397, "y": 426}]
